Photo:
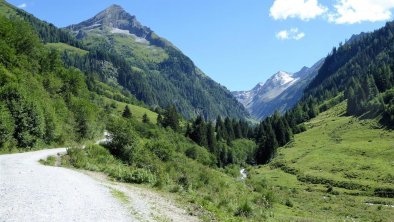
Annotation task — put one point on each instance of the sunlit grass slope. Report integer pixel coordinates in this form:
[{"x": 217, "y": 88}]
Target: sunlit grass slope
[{"x": 340, "y": 169}]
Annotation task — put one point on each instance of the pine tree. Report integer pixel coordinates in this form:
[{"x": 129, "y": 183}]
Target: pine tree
[
  {"x": 221, "y": 133},
  {"x": 267, "y": 145},
  {"x": 237, "y": 129},
  {"x": 145, "y": 118},
  {"x": 199, "y": 132},
  {"x": 229, "y": 129},
  {"x": 211, "y": 139},
  {"x": 171, "y": 118},
  {"x": 159, "y": 120},
  {"x": 127, "y": 112}
]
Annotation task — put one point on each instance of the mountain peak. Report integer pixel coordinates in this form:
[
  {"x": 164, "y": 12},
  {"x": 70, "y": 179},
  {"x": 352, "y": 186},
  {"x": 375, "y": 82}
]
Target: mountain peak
[
  {"x": 113, "y": 10},
  {"x": 281, "y": 78},
  {"x": 115, "y": 6},
  {"x": 115, "y": 20}
]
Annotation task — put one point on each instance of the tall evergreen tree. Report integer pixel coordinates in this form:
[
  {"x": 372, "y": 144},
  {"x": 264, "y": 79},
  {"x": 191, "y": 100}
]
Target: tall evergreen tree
[
  {"x": 199, "y": 132},
  {"x": 171, "y": 118},
  {"x": 159, "y": 119},
  {"x": 145, "y": 118},
  {"x": 211, "y": 139},
  {"x": 267, "y": 145},
  {"x": 229, "y": 129},
  {"x": 127, "y": 112},
  {"x": 220, "y": 129}
]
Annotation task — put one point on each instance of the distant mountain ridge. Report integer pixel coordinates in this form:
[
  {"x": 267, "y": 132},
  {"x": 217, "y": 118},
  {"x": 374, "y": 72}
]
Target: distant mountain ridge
[{"x": 280, "y": 92}]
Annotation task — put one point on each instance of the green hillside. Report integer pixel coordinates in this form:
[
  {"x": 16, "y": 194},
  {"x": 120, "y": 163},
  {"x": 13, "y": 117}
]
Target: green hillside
[
  {"x": 62, "y": 47},
  {"x": 149, "y": 66},
  {"x": 42, "y": 103},
  {"x": 335, "y": 171}
]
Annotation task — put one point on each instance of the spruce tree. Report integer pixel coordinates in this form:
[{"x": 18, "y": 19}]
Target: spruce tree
[
  {"x": 211, "y": 139},
  {"x": 220, "y": 130},
  {"x": 199, "y": 132},
  {"x": 229, "y": 129},
  {"x": 159, "y": 120},
  {"x": 171, "y": 118},
  {"x": 127, "y": 112},
  {"x": 145, "y": 118}
]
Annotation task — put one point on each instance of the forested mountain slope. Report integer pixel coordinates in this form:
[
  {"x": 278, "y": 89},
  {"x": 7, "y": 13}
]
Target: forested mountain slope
[
  {"x": 41, "y": 101},
  {"x": 125, "y": 54},
  {"x": 363, "y": 70},
  {"x": 153, "y": 70}
]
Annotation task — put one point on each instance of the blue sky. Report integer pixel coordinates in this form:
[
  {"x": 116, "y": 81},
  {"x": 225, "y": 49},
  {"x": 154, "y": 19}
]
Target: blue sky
[{"x": 238, "y": 43}]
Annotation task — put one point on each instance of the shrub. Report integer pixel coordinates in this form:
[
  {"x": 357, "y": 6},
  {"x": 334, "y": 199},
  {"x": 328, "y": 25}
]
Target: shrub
[
  {"x": 77, "y": 157},
  {"x": 201, "y": 155},
  {"x": 161, "y": 148},
  {"x": 384, "y": 192},
  {"x": 50, "y": 161},
  {"x": 289, "y": 203},
  {"x": 244, "y": 210},
  {"x": 140, "y": 176},
  {"x": 123, "y": 138}
]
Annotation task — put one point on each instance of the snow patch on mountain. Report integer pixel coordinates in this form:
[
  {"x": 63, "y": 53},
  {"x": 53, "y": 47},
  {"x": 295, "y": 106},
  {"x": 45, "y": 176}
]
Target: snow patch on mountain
[
  {"x": 120, "y": 31},
  {"x": 280, "y": 92},
  {"x": 268, "y": 90},
  {"x": 127, "y": 32}
]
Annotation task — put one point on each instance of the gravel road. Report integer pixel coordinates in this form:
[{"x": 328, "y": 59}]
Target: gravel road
[
  {"x": 33, "y": 192},
  {"x": 30, "y": 191}
]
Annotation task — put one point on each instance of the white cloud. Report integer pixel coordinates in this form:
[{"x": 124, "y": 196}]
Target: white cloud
[
  {"x": 293, "y": 33},
  {"x": 303, "y": 9},
  {"x": 357, "y": 11},
  {"x": 23, "y": 5}
]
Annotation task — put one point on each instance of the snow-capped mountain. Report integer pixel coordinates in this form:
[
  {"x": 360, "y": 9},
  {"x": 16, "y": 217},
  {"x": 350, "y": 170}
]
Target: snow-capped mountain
[{"x": 280, "y": 92}]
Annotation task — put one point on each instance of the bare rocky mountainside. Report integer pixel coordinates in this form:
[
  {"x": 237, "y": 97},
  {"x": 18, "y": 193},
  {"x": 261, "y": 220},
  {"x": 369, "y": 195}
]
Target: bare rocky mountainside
[{"x": 280, "y": 92}]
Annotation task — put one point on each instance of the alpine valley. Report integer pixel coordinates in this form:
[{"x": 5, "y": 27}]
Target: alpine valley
[{"x": 150, "y": 137}]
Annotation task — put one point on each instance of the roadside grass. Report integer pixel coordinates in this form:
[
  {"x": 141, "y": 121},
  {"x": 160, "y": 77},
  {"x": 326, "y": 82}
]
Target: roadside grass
[
  {"x": 332, "y": 171},
  {"x": 49, "y": 161},
  {"x": 208, "y": 193},
  {"x": 119, "y": 195}
]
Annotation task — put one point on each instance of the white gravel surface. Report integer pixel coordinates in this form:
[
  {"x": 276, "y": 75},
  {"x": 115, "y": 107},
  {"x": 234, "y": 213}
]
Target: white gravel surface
[{"x": 30, "y": 191}]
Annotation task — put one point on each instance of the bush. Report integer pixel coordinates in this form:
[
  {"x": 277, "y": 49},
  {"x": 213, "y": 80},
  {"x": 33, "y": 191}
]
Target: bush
[
  {"x": 50, "y": 161},
  {"x": 384, "y": 192},
  {"x": 161, "y": 148},
  {"x": 123, "y": 137},
  {"x": 244, "y": 210},
  {"x": 201, "y": 155},
  {"x": 289, "y": 203},
  {"x": 77, "y": 156},
  {"x": 140, "y": 176}
]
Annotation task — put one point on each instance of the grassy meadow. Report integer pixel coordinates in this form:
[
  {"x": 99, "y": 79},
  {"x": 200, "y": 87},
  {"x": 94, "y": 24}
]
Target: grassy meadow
[{"x": 333, "y": 172}]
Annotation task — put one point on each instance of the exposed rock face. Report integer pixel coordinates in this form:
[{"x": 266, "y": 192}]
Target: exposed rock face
[
  {"x": 114, "y": 17},
  {"x": 281, "y": 92}
]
